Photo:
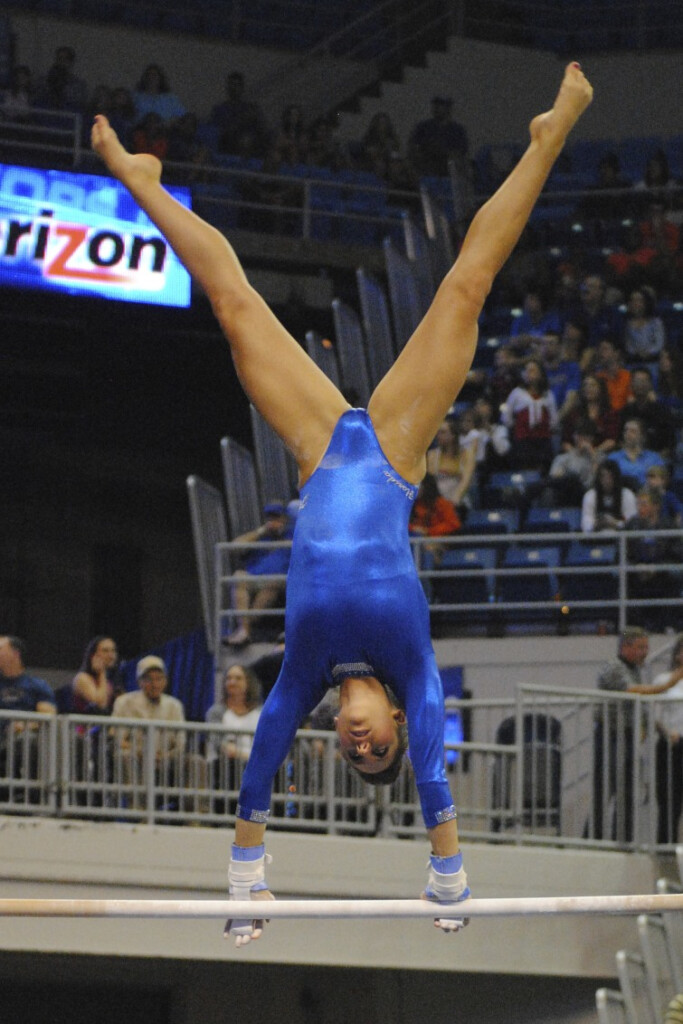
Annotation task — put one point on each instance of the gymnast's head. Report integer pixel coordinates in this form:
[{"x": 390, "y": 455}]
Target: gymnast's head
[{"x": 371, "y": 727}]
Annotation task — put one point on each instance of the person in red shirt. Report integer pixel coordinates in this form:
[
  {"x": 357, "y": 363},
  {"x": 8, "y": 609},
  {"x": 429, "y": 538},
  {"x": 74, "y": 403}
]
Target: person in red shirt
[{"x": 616, "y": 377}]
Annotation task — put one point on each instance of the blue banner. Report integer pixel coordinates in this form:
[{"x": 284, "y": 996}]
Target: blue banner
[{"x": 83, "y": 234}]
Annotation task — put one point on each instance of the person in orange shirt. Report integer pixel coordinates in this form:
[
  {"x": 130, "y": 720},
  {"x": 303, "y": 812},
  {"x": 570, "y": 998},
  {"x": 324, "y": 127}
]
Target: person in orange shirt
[{"x": 616, "y": 377}]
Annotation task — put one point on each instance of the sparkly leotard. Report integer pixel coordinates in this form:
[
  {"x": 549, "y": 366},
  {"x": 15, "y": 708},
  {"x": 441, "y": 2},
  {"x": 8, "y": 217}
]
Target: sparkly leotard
[{"x": 354, "y": 606}]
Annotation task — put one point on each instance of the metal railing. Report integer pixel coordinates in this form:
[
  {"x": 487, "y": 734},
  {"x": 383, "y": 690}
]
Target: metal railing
[
  {"x": 570, "y": 767},
  {"x": 496, "y": 614}
]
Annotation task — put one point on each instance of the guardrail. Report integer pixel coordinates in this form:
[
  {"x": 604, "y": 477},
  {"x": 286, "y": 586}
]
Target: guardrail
[
  {"x": 497, "y": 615},
  {"x": 572, "y": 768}
]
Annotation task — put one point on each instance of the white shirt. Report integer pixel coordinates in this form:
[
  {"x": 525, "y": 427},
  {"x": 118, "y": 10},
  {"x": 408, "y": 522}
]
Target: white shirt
[
  {"x": 628, "y": 508},
  {"x": 242, "y": 743},
  {"x": 670, "y": 704}
]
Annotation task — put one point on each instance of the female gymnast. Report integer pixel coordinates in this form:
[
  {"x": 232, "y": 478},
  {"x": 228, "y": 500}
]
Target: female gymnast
[{"x": 356, "y": 614}]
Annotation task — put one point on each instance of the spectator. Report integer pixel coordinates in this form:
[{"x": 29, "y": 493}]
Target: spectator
[
  {"x": 606, "y": 199},
  {"x": 249, "y": 593},
  {"x": 492, "y": 441},
  {"x": 572, "y": 471},
  {"x": 17, "y": 98},
  {"x": 644, "y": 335},
  {"x": 609, "y": 366},
  {"x": 323, "y": 148},
  {"x": 379, "y": 144},
  {"x": 608, "y": 504},
  {"x": 564, "y": 375},
  {"x": 648, "y": 581},
  {"x": 669, "y": 751},
  {"x": 662, "y": 241},
  {"x": 437, "y": 140},
  {"x": 185, "y": 148},
  {"x": 93, "y": 685},
  {"x": 592, "y": 403},
  {"x": 432, "y": 515},
  {"x": 239, "y": 706},
  {"x": 633, "y": 458},
  {"x": 575, "y": 345},
  {"x": 62, "y": 89},
  {"x": 237, "y": 117},
  {"x": 20, "y": 692},
  {"x": 613, "y": 737},
  {"x": 530, "y": 414},
  {"x": 536, "y": 321},
  {"x": 593, "y": 312},
  {"x": 153, "y": 96},
  {"x": 173, "y": 766},
  {"x": 150, "y": 136},
  {"x": 670, "y": 381},
  {"x": 654, "y": 417},
  {"x": 291, "y": 141},
  {"x": 505, "y": 376},
  {"x": 657, "y": 180},
  {"x": 672, "y": 508},
  {"x": 277, "y": 199},
  {"x": 122, "y": 112},
  {"x": 450, "y": 464}
]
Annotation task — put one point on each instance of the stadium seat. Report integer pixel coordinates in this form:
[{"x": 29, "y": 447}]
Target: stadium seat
[
  {"x": 528, "y": 588},
  {"x": 594, "y": 586}
]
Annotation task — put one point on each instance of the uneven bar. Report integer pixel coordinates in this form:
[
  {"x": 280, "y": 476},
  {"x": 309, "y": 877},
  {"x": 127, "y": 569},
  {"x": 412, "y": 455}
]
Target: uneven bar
[{"x": 513, "y": 907}]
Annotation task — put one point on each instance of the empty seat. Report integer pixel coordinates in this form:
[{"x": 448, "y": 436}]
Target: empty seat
[
  {"x": 275, "y": 471},
  {"x": 511, "y": 488},
  {"x": 533, "y": 581},
  {"x": 597, "y": 586},
  {"x": 553, "y": 520},
  {"x": 492, "y": 520},
  {"x": 478, "y": 588}
]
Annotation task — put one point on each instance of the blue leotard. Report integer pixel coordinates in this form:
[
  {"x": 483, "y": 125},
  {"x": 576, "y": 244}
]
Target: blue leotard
[{"x": 355, "y": 605}]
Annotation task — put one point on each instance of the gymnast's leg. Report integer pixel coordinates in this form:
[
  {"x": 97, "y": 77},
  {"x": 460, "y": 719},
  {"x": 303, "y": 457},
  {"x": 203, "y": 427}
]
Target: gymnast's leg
[
  {"x": 410, "y": 402},
  {"x": 289, "y": 390}
]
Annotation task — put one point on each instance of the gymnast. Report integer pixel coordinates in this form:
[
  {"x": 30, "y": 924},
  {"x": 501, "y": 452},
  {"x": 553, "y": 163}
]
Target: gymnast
[{"x": 356, "y": 615}]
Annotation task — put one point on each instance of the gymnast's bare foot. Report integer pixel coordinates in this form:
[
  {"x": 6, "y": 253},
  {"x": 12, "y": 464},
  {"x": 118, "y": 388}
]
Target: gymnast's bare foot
[
  {"x": 131, "y": 169},
  {"x": 574, "y": 96}
]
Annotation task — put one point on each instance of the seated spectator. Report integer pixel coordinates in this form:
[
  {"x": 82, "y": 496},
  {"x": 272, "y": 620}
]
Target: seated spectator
[
  {"x": 492, "y": 443},
  {"x": 575, "y": 347},
  {"x": 150, "y": 136},
  {"x": 173, "y": 765},
  {"x": 599, "y": 319},
  {"x": 153, "y": 96},
  {"x": 625, "y": 266},
  {"x": 530, "y": 414},
  {"x": 608, "y": 504},
  {"x": 239, "y": 707},
  {"x": 653, "y": 415},
  {"x": 93, "y": 685},
  {"x": 592, "y": 403},
  {"x": 609, "y": 366},
  {"x": 16, "y": 100},
  {"x": 249, "y": 593},
  {"x": 604, "y": 202},
  {"x": 20, "y": 692},
  {"x": 122, "y": 113},
  {"x": 379, "y": 144},
  {"x": 323, "y": 148},
  {"x": 291, "y": 140},
  {"x": 572, "y": 471},
  {"x": 662, "y": 237},
  {"x": 238, "y": 116},
  {"x": 451, "y": 465},
  {"x": 505, "y": 376},
  {"x": 657, "y": 180},
  {"x": 61, "y": 88},
  {"x": 647, "y": 553},
  {"x": 633, "y": 458},
  {"x": 437, "y": 140},
  {"x": 657, "y": 478},
  {"x": 432, "y": 515},
  {"x": 644, "y": 335},
  {"x": 670, "y": 381},
  {"x": 185, "y": 148},
  {"x": 536, "y": 321},
  {"x": 564, "y": 375}
]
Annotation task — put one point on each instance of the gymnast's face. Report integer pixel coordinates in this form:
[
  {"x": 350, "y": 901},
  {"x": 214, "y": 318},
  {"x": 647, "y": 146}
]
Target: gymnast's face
[{"x": 367, "y": 724}]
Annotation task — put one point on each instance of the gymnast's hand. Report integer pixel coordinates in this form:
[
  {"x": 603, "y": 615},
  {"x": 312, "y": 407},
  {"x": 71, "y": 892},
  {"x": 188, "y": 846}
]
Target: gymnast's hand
[
  {"x": 447, "y": 883},
  {"x": 246, "y": 881},
  {"x": 245, "y": 931}
]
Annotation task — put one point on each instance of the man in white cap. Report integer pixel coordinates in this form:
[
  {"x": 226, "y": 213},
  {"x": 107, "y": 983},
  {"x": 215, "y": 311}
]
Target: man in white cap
[{"x": 173, "y": 766}]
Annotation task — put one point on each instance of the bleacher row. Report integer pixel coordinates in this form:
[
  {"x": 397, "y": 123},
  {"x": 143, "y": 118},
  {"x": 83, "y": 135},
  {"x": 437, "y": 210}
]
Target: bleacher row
[{"x": 651, "y": 976}]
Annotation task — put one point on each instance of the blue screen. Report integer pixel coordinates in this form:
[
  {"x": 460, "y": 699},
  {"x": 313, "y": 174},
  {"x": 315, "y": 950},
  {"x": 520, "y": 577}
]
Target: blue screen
[{"x": 82, "y": 234}]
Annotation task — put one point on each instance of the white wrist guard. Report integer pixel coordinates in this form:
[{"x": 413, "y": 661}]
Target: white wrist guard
[
  {"x": 246, "y": 872},
  {"x": 447, "y": 881}
]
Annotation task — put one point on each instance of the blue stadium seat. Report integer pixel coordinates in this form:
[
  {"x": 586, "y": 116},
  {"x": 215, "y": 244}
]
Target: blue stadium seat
[
  {"x": 553, "y": 520},
  {"x": 594, "y": 586},
  {"x": 461, "y": 589},
  {"x": 492, "y": 520},
  {"x": 508, "y": 488},
  {"x": 522, "y": 588}
]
